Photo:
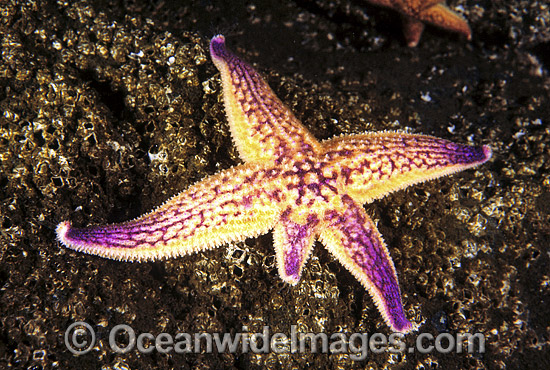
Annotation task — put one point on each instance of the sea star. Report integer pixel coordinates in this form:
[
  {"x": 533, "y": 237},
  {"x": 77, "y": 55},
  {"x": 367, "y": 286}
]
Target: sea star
[
  {"x": 417, "y": 12},
  {"x": 301, "y": 188}
]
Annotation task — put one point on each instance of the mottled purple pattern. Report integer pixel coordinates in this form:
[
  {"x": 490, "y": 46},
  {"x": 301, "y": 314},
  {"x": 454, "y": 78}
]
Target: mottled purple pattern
[
  {"x": 277, "y": 130},
  {"x": 445, "y": 152},
  {"x": 113, "y": 236},
  {"x": 309, "y": 191},
  {"x": 391, "y": 155},
  {"x": 248, "y": 77},
  {"x": 298, "y": 239},
  {"x": 364, "y": 247},
  {"x": 217, "y": 47},
  {"x": 464, "y": 154},
  {"x": 412, "y": 146}
]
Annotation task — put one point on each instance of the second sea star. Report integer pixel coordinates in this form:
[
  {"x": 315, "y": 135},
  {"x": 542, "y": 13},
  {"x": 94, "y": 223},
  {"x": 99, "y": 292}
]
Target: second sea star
[{"x": 415, "y": 13}]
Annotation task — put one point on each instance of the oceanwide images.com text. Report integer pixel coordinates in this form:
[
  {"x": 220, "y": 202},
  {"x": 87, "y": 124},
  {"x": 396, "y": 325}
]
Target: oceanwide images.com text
[{"x": 80, "y": 339}]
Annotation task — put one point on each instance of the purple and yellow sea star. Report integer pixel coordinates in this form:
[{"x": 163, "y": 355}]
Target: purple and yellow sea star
[
  {"x": 417, "y": 12},
  {"x": 301, "y": 188}
]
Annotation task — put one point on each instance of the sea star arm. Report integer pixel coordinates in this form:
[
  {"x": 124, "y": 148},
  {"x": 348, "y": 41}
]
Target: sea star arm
[
  {"x": 373, "y": 165},
  {"x": 216, "y": 211},
  {"x": 293, "y": 244},
  {"x": 412, "y": 30},
  {"x": 442, "y": 16},
  {"x": 351, "y": 236},
  {"x": 263, "y": 128},
  {"x": 406, "y": 6}
]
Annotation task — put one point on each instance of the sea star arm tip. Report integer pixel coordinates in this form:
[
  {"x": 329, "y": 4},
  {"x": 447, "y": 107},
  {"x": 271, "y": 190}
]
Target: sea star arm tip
[
  {"x": 293, "y": 243},
  {"x": 217, "y": 47},
  {"x": 487, "y": 152}
]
